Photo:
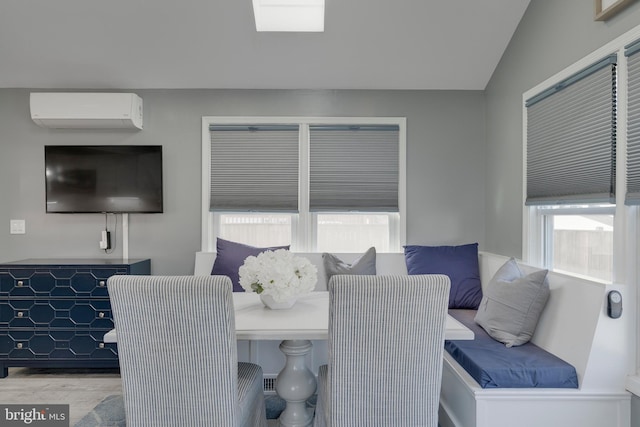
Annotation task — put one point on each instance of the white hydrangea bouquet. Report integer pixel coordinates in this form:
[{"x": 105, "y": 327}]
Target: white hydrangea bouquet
[{"x": 278, "y": 274}]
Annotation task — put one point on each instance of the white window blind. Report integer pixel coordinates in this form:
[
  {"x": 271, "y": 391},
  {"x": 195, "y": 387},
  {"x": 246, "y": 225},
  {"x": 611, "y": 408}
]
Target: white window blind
[
  {"x": 632, "y": 51},
  {"x": 354, "y": 168},
  {"x": 571, "y": 139},
  {"x": 254, "y": 168}
]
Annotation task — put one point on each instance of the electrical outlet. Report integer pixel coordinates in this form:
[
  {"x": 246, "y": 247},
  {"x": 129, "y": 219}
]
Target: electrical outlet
[{"x": 18, "y": 226}]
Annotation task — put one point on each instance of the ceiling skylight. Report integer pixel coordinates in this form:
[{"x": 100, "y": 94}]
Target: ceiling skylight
[{"x": 289, "y": 15}]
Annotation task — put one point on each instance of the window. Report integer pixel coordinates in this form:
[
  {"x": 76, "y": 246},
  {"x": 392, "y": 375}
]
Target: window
[
  {"x": 579, "y": 239},
  {"x": 353, "y": 232},
  {"x": 319, "y": 184},
  {"x": 261, "y": 230},
  {"x": 571, "y": 143},
  {"x": 632, "y": 197},
  {"x": 632, "y": 52}
]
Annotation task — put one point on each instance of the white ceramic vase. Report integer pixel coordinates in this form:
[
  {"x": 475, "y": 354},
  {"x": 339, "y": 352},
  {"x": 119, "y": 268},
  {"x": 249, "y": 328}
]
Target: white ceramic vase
[{"x": 269, "y": 302}]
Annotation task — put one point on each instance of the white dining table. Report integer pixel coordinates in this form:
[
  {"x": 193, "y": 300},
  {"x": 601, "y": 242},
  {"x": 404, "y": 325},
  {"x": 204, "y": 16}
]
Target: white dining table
[{"x": 295, "y": 327}]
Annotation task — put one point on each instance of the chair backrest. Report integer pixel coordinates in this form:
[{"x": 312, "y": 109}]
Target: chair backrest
[
  {"x": 386, "y": 339},
  {"x": 177, "y": 349}
]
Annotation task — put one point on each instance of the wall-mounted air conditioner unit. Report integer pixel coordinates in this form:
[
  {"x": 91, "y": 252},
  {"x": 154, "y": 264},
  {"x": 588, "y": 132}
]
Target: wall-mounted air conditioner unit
[{"x": 81, "y": 110}]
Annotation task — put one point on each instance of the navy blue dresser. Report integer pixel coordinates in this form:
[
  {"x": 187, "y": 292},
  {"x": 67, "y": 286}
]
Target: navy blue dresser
[{"x": 54, "y": 312}]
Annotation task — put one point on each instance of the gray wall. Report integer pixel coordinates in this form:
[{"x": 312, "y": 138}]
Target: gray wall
[
  {"x": 551, "y": 36},
  {"x": 445, "y": 167}
]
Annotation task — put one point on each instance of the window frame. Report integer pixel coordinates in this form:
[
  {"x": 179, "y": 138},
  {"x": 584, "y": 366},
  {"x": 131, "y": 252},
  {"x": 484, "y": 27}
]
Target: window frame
[
  {"x": 303, "y": 224},
  {"x": 532, "y": 229},
  {"x": 543, "y": 247},
  {"x": 626, "y": 250}
]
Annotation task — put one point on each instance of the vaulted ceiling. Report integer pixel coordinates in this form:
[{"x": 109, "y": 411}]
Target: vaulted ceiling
[{"x": 367, "y": 44}]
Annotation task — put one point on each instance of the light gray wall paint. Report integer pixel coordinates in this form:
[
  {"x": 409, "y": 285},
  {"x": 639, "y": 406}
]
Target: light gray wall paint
[
  {"x": 445, "y": 133},
  {"x": 551, "y": 36}
]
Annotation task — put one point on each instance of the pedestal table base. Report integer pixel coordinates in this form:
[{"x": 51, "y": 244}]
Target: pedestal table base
[{"x": 295, "y": 384}]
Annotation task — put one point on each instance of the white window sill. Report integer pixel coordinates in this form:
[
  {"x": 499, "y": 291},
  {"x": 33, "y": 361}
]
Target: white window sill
[{"x": 633, "y": 384}]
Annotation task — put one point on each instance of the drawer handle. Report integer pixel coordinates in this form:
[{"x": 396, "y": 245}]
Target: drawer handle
[
  {"x": 20, "y": 283},
  {"x": 19, "y": 345},
  {"x": 101, "y": 345},
  {"x": 101, "y": 315},
  {"x": 20, "y": 314},
  {"x": 101, "y": 283}
]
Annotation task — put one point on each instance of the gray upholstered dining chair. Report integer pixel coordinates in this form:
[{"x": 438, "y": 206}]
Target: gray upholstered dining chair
[
  {"x": 178, "y": 354},
  {"x": 386, "y": 340}
]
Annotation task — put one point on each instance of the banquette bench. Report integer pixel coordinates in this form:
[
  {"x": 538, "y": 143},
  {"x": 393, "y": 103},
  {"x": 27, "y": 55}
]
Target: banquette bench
[{"x": 573, "y": 326}]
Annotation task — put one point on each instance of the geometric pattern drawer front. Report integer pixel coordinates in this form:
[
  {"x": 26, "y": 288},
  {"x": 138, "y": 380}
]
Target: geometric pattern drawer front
[
  {"x": 55, "y": 344},
  {"x": 55, "y": 314},
  {"x": 16, "y": 282},
  {"x": 92, "y": 281},
  {"x": 95, "y": 314},
  {"x": 84, "y": 282},
  {"x": 7, "y": 282}
]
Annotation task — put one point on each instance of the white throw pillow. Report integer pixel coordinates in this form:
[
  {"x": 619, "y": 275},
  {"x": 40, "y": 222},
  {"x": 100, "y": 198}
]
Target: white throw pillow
[{"x": 512, "y": 303}]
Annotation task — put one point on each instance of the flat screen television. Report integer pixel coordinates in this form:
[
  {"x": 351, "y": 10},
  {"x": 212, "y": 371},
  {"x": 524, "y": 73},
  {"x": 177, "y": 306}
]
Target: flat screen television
[{"x": 103, "y": 178}]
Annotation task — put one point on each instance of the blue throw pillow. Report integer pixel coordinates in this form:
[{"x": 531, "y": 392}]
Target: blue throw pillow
[
  {"x": 230, "y": 257},
  {"x": 460, "y": 263}
]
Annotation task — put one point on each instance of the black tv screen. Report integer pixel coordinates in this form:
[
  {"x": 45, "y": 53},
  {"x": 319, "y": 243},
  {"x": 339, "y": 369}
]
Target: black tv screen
[{"x": 103, "y": 178}]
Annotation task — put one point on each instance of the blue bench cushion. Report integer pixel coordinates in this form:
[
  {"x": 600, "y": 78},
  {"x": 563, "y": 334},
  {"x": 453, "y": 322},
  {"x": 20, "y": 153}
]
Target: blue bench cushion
[{"x": 493, "y": 365}]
